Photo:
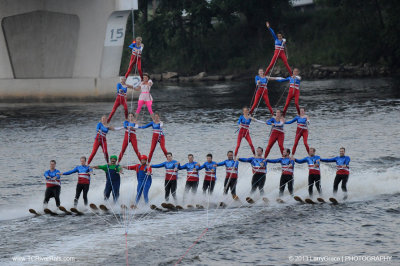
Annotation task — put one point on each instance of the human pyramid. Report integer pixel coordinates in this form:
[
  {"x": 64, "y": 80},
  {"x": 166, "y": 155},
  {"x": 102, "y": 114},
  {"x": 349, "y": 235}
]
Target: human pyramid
[{"x": 258, "y": 161}]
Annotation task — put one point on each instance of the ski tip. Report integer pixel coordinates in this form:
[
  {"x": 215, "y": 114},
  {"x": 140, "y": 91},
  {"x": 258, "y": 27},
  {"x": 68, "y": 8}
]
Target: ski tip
[
  {"x": 48, "y": 211},
  {"x": 153, "y": 207},
  {"x": 266, "y": 200},
  {"x": 279, "y": 200},
  {"x": 189, "y": 206},
  {"x": 123, "y": 206},
  {"x": 333, "y": 200},
  {"x": 133, "y": 206},
  {"x": 222, "y": 204},
  {"x": 250, "y": 200},
  {"x": 309, "y": 201},
  {"x": 34, "y": 212},
  {"x": 103, "y": 207},
  {"x": 297, "y": 198},
  {"x": 179, "y": 207},
  {"x": 321, "y": 200},
  {"x": 235, "y": 197},
  {"x": 198, "y": 206},
  {"x": 93, "y": 206}
]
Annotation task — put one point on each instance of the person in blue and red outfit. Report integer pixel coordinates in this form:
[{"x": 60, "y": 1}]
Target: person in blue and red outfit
[
  {"x": 259, "y": 167},
  {"x": 302, "y": 130},
  {"x": 158, "y": 135},
  {"x": 210, "y": 175},
  {"x": 287, "y": 171},
  {"x": 53, "y": 184},
  {"x": 192, "y": 179},
  {"x": 130, "y": 136},
  {"x": 280, "y": 48},
  {"x": 294, "y": 89},
  {"x": 244, "y": 124},
  {"x": 143, "y": 172},
  {"x": 342, "y": 171},
  {"x": 231, "y": 178},
  {"x": 314, "y": 173},
  {"x": 171, "y": 175},
  {"x": 122, "y": 88},
  {"x": 83, "y": 180},
  {"x": 136, "y": 61},
  {"x": 100, "y": 139},
  {"x": 262, "y": 91},
  {"x": 277, "y": 133}
]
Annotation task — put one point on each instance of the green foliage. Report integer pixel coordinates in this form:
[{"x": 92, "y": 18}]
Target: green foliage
[{"x": 229, "y": 36}]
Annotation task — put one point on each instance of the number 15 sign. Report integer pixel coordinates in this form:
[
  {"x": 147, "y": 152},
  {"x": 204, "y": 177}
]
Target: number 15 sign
[{"x": 116, "y": 25}]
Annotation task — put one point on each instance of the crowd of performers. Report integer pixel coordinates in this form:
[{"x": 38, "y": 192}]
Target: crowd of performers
[{"x": 258, "y": 161}]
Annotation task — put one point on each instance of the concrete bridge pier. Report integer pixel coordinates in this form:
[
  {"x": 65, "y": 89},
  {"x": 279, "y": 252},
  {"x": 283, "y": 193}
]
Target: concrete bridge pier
[{"x": 61, "y": 48}]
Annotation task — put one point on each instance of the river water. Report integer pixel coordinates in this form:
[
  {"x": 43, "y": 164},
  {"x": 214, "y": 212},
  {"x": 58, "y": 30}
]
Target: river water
[{"x": 361, "y": 115}]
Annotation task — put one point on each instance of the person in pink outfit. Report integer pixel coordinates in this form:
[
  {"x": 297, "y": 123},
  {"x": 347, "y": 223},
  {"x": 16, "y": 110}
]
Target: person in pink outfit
[{"x": 145, "y": 96}]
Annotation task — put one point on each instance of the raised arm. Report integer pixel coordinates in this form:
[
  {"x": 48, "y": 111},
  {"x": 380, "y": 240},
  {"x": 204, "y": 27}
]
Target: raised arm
[{"x": 273, "y": 33}]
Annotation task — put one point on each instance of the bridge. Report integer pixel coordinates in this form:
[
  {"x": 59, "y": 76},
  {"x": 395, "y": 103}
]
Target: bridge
[{"x": 61, "y": 48}]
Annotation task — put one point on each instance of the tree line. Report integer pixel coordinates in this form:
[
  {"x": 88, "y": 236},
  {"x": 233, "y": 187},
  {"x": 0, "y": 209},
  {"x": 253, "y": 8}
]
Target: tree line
[{"x": 230, "y": 36}]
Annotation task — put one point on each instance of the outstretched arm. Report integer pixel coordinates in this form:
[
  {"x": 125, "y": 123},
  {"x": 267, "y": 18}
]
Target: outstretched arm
[
  {"x": 280, "y": 79},
  {"x": 146, "y": 126},
  {"x": 291, "y": 121},
  {"x": 71, "y": 172},
  {"x": 328, "y": 160},
  {"x": 301, "y": 160},
  {"x": 273, "y": 160},
  {"x": 158, "y": 165}
]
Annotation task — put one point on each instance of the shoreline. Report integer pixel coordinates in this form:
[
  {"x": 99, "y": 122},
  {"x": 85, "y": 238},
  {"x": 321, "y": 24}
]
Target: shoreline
[{"x": 314, "y": 72}]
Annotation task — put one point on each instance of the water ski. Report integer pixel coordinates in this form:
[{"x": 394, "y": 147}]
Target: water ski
[
  {"x": 297, "y": 198},
  {"x": 154, "y": 207},
  {"x": 266, "y": 200},
  {"x": 235, "y": 197},
  {"x": 280, "y": 200},
  {"x": 309, "y": 201},
  {"x": 334, "y": 201},
  {"x": 62, "y": 208},
  {"x": 189, "y": 206},
  {"x": 103, "y": 208},
  {"x": 222, "y": 204},
  {"x": 250, "y": 200},
  {"x": 93, "y": 206},
  {"x": 48, "y": 211},
  {"x": 168, "y": 206},
  {"x": 34, "y": 212},
  {"x": 76, "y": 211},
  {"x": 321, "y": 200},
  {"x": 123, "y": 206},
  {"x": 179, "y": 207},
  {"x": 198, "y": 206},
  {"x": 133, "y": 206}
]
